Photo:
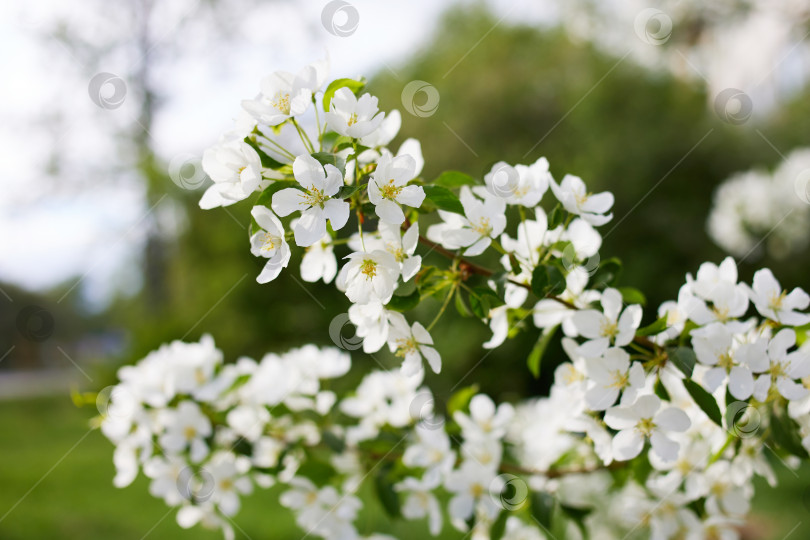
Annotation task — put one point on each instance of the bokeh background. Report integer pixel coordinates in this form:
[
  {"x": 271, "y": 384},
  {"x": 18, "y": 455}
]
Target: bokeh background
[{"x": 104, "y": 254}]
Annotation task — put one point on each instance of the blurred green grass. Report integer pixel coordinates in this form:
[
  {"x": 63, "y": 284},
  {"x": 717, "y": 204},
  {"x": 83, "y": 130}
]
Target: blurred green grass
[{"x": 56, "y": 482}]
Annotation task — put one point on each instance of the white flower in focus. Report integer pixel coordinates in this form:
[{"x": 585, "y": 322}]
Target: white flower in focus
[
  {"x": 611, "y": 374},
  {"x": 610, "y": 327},
  {"x": 186, "y": 428},
  {"x": 643, "y": 420},
  {"x": 284, "y": 95},
  {"x": 382, "y": 136},
  {"x": 484, "y": 421},
  {"x": 548, "y": 312},
  {"x": 388, "y": 189},
  {"x": 372, "y": 324},
  {"x": 319, "y": 262},
  {"x": 482, "y": 222},
  {"x": 351, "y": 116},
  {"x": 420, "y": 501},
  {"x": 402, "y": 247},
  {"x": 269, "y": 243},
  {"x": 521, "y": 184},
  {"x": 236, "y": 170},
  {"x": 369, "y": 277},
  {"x": 576, "y": 199},
  {"x": 784, "y": 368},
  {"x": 315, "y": 202},
  {"x": 777, "y": 304},
  {"x": 412, "y": 343},
  {"x": 714, "y": 346}
]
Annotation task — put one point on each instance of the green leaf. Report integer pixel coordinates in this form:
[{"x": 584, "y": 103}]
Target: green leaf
[
  {"x": 325, "y": 158},
  {"x": 337, "y": 84},
  {"x": 577, "y": 515},
  {"x": 498, "y": 528},
  {"x": 547, "y": 280},
  {"x": 608, "y": 273},
  {"x": 684, "y": 359},
  {"x": 661, "y": 390},
  {"x": 335, "y": 443},
  {"x": 461, "y": 305},
  {"x": 385, "y": 492},
  {"x": 266, "y": 160},
  {"x": 542, "y": 506},
  {"x": 346, "y": 191},
  {"x": 556, "y": 217},
  {"x": 404, "y": 303},
  {"x": 482, "y": 299},
  {"x": 655, "y": 328},
  {"x": 785, "y": 433},
  {"x": 631, "y": 295},
  {"x": 444, "y": 199},
  {"x": 704, "y": 400},
  {"x": 266, "y": 196},
  {"x": 460, "y": 400},
  {"x": 452, "y": 179},
  {"x": 536, "y": 356}
]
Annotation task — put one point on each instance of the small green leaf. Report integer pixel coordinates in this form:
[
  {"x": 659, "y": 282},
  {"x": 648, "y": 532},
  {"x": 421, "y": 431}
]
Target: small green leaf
[
  {"x": 556, "y": 217},
  {"x": 655, "y": 328},
  {"x": 452, "y": 179},
  {"x": 661, "y": 391},
  {"x": 335, "y": 443},
  {"x": 460, "y": 400},
  {"x": 547, "y": 280},
  {"x": 608, "y": 273},
  {"x": 444, "y": 199},
  {"x": 684, "y": 359},
  {"x": 461, "y": 305},
  {"x": 325, "y": 158},
  {"x": 266, "y": 196},
  {"x": 404, "y": 303},
  {"x": 337, "y": 84},
  {"x": 542, "y": 506},
  {"x": 785, "y": 433},
  {"x": 498, "y": 528},
  {"x": 704, "y": 400},
  {"x": 631, "y": 295},
  {"x": 536, "y": 356},
  {"x": 385, "y": 492},
  {"x": 482, "y": 299},
  {"x": 346, "y": 191},
  {"x": 266, "y": 160}
]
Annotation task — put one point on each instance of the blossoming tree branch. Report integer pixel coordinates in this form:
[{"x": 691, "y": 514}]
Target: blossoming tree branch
[{"x": 660, "y": 428}]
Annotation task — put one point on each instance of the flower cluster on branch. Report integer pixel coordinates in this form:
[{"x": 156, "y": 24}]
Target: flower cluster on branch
[{"x": 661, "y": 427}]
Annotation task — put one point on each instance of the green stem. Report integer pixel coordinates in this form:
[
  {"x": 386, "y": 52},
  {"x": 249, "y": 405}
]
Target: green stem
[
  {"x": 303, "y": 135},
  {"x": 444, "y": 306}
]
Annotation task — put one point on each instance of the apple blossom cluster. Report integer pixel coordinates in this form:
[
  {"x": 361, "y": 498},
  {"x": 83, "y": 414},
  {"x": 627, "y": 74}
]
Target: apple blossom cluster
[
  {"x": 754, "y": 209},
  {"x": 659, "y": 427}
]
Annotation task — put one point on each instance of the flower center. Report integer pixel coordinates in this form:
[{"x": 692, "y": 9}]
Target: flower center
[
  {"x": 609, "y": 329},
  {"x": 581, "y": 198},
  {"x": 352, "y": 119},
  {"x": 405, "y": 346},
  {"x": 226, "y": 484},
  {"x": 476, "y": 490},
  {"x": 775, "y": 301},
  {"x": 270, "y": 242},
  {"x": 619, "y": 379},
  {"x": 189, "y": 432},
  {"x": 720, "y": 312},
  {"x": 281, "y": 102},
  {"x": 645, "y": 426},
  {"x": 482, "y": 227},
  {"x": 389, "y": 190},
  {"x": 369, "y": 268},
  {"x": 779, "y": 369},
  {"x": 315, "y": 197},
  {"x": 725, "y": 361}
]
